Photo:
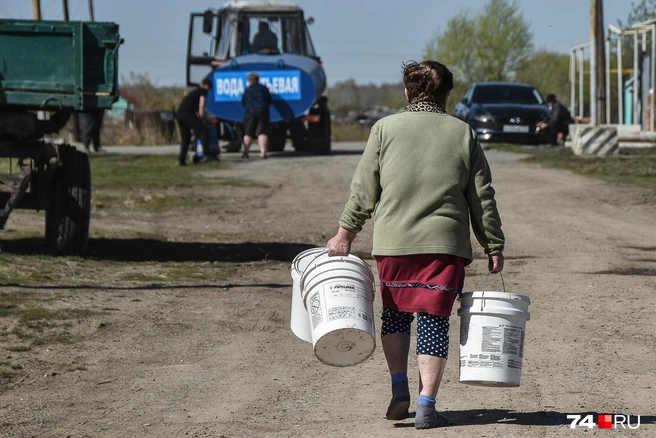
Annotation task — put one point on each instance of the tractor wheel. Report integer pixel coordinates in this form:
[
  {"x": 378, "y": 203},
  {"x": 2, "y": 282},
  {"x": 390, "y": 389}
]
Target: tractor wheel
[
  {"x": 67, "y": 219},
  {"x": 278, "y": 137},
  {"x": 319, "y": 133},
  {"x": 297, "y": 133}
]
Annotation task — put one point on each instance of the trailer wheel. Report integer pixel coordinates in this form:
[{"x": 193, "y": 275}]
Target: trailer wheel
[{"x": 67, "y": 219}]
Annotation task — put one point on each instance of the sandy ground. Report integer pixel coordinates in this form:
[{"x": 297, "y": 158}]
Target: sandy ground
[{"x": 217, "y": 358}]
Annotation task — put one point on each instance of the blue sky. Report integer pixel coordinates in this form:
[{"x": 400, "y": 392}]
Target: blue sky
[{"x": 367, "y": 40}]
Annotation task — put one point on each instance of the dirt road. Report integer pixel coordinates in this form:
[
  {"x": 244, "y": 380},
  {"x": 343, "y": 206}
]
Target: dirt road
[{"x": 216, "y": 358}]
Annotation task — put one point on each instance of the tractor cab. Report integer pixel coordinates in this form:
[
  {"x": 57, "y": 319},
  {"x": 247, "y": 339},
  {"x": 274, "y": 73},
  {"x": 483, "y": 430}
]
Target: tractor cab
[{"x": 242, "y": 28}]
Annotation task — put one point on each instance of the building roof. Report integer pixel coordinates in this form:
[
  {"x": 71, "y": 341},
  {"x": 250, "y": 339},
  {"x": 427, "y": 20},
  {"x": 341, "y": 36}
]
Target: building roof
[{"x": 127, "y": 96}]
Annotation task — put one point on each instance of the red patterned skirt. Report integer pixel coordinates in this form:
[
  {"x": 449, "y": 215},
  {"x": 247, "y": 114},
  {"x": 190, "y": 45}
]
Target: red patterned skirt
[{"x": 426, "y": 283}]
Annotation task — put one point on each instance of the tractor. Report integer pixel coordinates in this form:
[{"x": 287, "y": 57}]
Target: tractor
[{"x": 224, "y": 48}]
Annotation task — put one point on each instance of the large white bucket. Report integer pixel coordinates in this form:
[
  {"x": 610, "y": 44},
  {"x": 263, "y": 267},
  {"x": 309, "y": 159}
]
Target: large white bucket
[
  {"x": 492, "y": 326},
  {"x": 338, "y": 293},
  {"x": 299, "y": 321}
]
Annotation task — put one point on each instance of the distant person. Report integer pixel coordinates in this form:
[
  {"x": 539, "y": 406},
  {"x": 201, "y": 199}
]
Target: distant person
[
  {"x": 90, "y": 124},
  {"x": 256, "y": 101},
  {"x": 555, "y": 120},
  {"x": 424, "y": 176},
  {"x": 264, "y": 40},
  {"x": 191, "y": 116}
]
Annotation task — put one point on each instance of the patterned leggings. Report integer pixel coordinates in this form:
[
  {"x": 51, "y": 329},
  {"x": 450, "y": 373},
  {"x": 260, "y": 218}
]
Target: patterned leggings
[{"x": 432, "y": 331}]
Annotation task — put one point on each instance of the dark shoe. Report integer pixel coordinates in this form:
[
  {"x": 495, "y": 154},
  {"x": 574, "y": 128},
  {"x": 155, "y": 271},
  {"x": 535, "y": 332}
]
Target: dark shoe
[
  {"x": 398, "y": 407},
  {"x": 244, "y": 155},
  {"x": 427, "y": 418},
  {"x": 209, "y": 159}
]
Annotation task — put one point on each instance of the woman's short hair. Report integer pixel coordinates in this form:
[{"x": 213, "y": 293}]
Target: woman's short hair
[
  {"x": 427, "y": 81},
  {"x": 205, "y": 82},
  {"x": 253, "y": 77}
]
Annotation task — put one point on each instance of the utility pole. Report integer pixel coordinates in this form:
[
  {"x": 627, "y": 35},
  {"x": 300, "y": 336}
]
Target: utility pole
[
  {"x": 597, "y": 64},
  {"x": 91, "y": 18},
  {"x": 36, "y": 9},
  {"x": 65, "y": 7},
  {"x": 601, "y": 63}
]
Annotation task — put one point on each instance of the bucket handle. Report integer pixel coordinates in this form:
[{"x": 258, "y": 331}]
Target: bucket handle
[
  {"x": 487, "y": 276},
  {"x": 485, "y": 287}
]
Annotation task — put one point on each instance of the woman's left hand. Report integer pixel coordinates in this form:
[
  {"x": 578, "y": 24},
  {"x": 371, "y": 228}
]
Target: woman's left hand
[{"x": 340, "y": 245}]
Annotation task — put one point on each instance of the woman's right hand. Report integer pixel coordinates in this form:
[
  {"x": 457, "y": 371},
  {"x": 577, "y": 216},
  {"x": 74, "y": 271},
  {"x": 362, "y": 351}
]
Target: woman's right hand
[
  {"x": 495, "y": 263},
  {"x": 340, "y": 245}
]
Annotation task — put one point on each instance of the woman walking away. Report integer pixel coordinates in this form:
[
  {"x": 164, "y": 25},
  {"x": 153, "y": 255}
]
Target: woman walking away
[{"x": 425, "y": 175}]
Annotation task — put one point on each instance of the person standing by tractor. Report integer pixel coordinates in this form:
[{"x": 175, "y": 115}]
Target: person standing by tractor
[
  {"x": 191, "y": 115},
  {"x": 256, "y": 101}
]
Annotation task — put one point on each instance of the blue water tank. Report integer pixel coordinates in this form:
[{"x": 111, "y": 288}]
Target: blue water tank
[{"x": 295, "y": 82}]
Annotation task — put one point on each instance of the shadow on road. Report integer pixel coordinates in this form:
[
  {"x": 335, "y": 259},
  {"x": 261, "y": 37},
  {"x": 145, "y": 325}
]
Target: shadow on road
[
  {"x": 144, "y": 250},
  {"x": 293, "y": 154},
  {"x": 474, "y": 417}
]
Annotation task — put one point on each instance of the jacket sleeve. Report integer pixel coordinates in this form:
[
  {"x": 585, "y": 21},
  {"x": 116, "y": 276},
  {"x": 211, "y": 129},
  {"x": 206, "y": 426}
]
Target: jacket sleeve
[
  {"x": 485, "y": 219},
  {"x": 365, "y": 186}
]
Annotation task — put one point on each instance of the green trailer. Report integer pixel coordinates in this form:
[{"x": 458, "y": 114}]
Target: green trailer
[{"x": 48, "y": 71}]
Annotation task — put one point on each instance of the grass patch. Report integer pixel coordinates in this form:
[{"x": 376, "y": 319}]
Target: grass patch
[
  {"x": 349, "y": 132},
  {"x": 148, "y": 172},
  {"x": 510, "y": 147},
  {"x": 153, "y": 183},
  {"x": 633, "y": 167}
]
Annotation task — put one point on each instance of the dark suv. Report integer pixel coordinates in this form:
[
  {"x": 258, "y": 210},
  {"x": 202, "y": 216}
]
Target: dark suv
[{"x": 503, "y": 111}]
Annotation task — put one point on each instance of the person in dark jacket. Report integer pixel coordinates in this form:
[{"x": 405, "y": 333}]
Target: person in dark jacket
[
  {"x": 555, "y": 121},
  {"x": 90, "y": 124},
  {"x": 190, "y": 115},
  {"x": 256, "y": 101}
]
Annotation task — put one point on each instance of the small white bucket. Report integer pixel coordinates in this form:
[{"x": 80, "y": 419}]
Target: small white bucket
[
  {"x": 299, "y": 321},
  {"x": 338, "y": 293},
  {"x": 492, "y": 326}
]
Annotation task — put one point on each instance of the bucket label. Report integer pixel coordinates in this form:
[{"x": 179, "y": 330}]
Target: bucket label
[
  {"x": 502, "y": 339},
  {"x": 352, "y": 290},
  {"x": 340, "y": 312},
  {"x": 346, "y": 300},
  {"x": 315, "y": 309},
  {"x": 500, "y": 346}
]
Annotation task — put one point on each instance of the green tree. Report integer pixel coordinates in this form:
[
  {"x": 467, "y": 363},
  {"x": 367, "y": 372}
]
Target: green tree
[
  {"x": 640, "y": 12},
  {"x": 549, "y": 72},
  {"x": 490, "y": 46}
]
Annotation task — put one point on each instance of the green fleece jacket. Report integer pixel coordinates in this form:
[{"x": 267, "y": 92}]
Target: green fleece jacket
[{"x": 424, "y": 174}]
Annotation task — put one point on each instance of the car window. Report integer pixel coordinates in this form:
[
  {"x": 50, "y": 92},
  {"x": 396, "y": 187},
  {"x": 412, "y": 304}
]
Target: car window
[{"x": 507, "y": 94}]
